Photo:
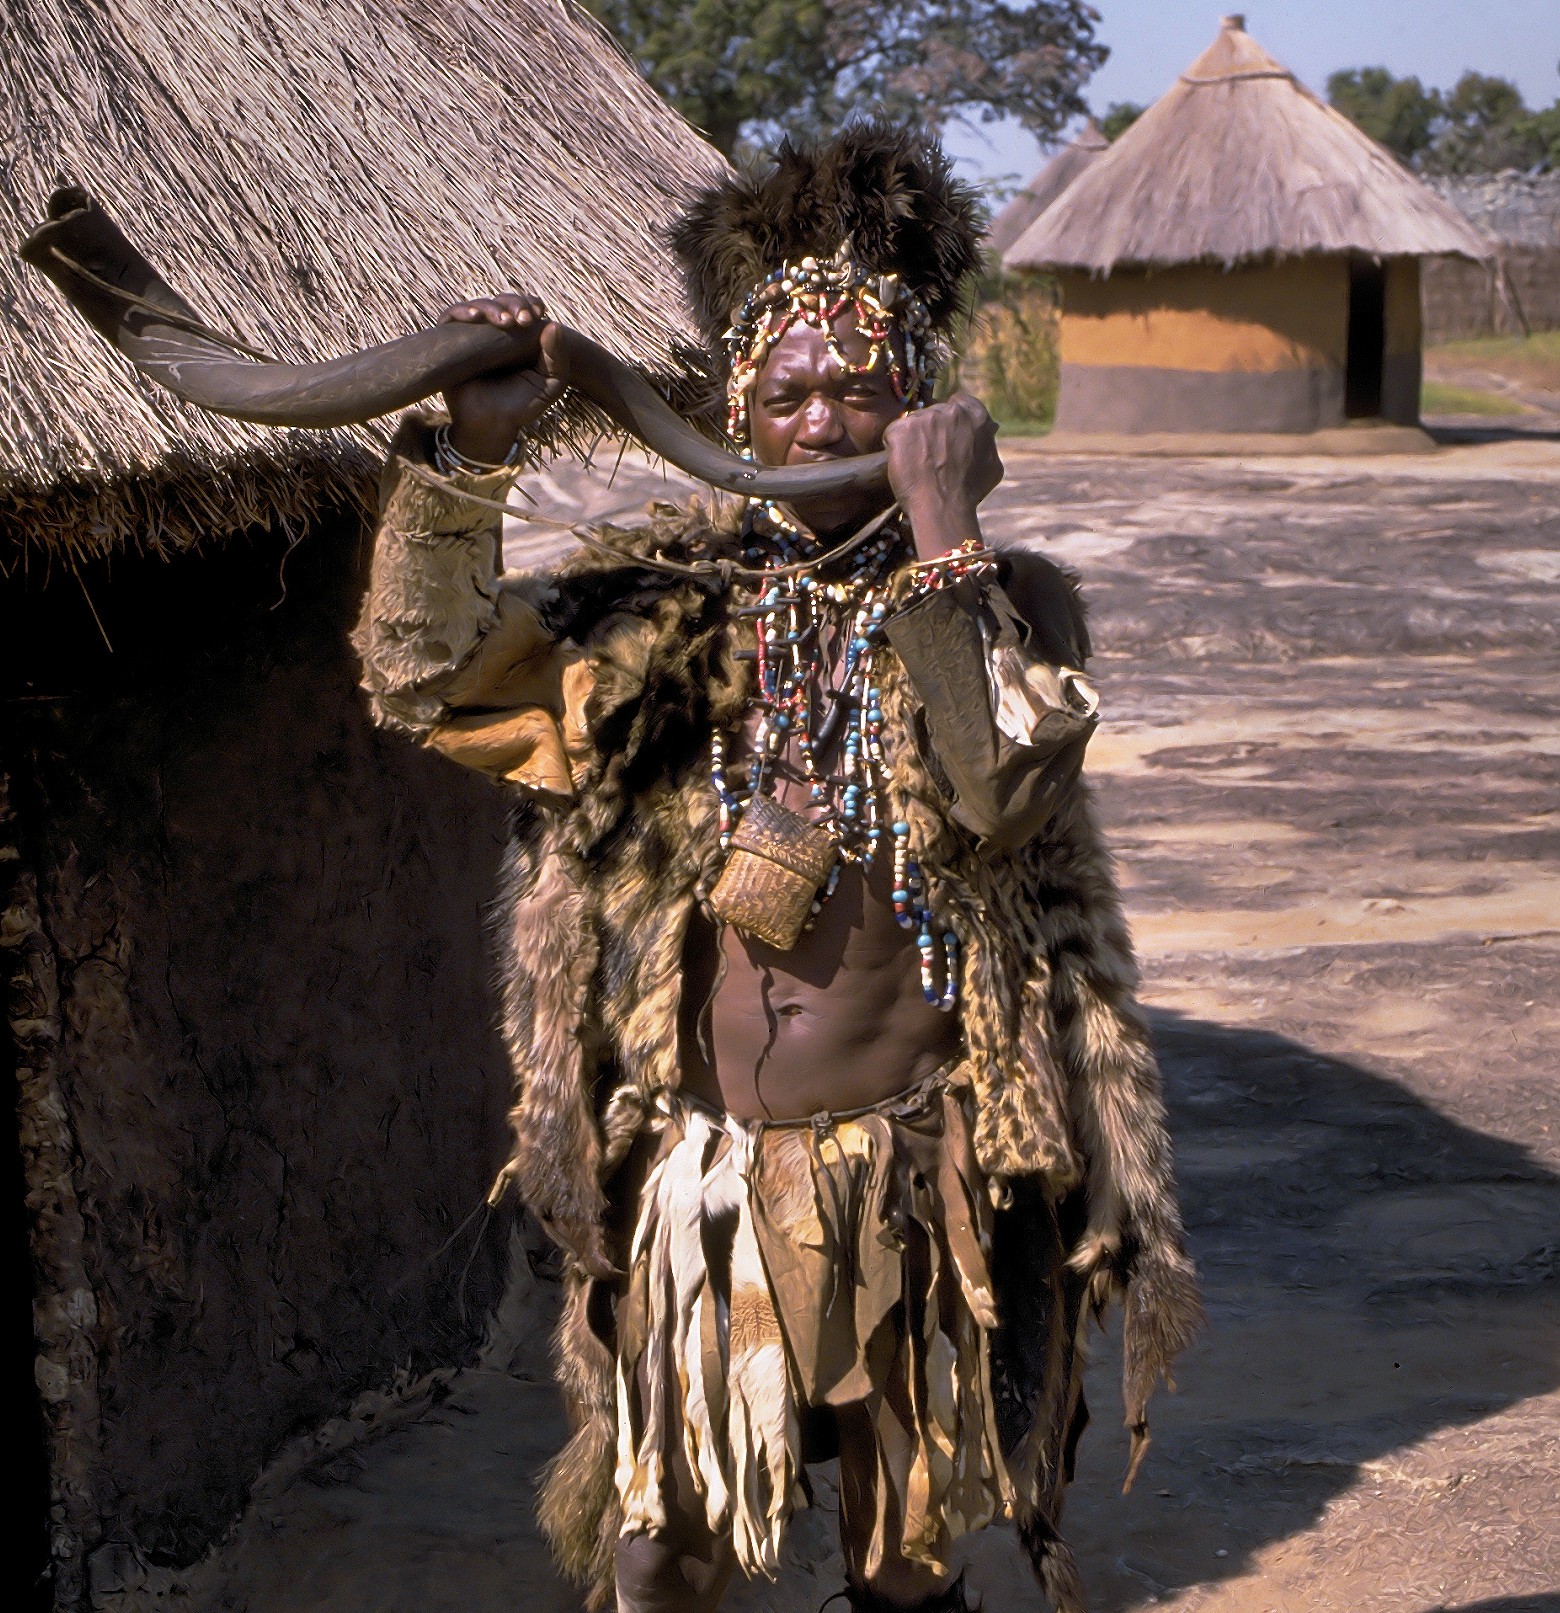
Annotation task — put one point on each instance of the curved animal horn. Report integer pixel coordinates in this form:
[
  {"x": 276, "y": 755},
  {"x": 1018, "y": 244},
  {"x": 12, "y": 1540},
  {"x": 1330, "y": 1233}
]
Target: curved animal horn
[{"x": 136, "y": 311}]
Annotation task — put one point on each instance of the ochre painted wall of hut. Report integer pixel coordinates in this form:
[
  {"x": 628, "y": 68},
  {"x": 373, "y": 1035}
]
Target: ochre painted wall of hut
[
  {"x": 1259, "y": 348},
  {"x": 262, "y": 1097},
  {"x": 1197, "y": 348}
]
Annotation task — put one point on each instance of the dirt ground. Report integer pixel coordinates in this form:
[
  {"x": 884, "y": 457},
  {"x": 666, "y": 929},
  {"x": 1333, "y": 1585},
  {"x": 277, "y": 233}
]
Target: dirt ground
[{"x": 1330, "y": 768}]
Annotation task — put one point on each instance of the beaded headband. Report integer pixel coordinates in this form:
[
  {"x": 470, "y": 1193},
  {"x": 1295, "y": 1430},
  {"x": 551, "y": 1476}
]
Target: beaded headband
[{"x": 812, "y": 293}]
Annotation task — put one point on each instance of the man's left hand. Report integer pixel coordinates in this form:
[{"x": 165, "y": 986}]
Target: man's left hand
[{"x": 942, "y": 461}]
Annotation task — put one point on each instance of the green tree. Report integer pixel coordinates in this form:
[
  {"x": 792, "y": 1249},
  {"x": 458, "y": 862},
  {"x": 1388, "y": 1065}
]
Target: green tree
[
  {"x": 1541, "y": 130},
  {"x": 744, "y": 70},
  {"x": 1118, "y": 117},
  {"x": 1478, "y": 126},
  {"x": 1399, "y": 112},
  {"x": 1486, "y": 126}
]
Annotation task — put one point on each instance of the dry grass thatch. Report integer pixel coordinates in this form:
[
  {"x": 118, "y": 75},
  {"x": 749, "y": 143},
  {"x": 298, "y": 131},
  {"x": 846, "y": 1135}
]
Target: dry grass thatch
[
  {"x": 1045, "y": 187},
  {"x": 315, "y": 177},
  {"x": 1237, "y": 160}
]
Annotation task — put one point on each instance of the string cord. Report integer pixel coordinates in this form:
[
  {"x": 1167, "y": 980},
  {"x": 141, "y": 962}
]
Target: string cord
[{"x": 701, "y": 569}]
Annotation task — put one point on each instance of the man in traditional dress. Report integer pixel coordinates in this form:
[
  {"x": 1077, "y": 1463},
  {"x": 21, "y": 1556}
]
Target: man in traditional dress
[{"x": 831, "y": 1086}]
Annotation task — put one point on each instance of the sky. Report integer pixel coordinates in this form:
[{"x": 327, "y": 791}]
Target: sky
[{"x": 1436, "y": 40}]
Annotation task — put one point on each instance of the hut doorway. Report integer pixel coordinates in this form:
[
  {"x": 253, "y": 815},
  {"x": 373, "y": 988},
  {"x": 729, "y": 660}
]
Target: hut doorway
[{"x": 1367, "y": 341}]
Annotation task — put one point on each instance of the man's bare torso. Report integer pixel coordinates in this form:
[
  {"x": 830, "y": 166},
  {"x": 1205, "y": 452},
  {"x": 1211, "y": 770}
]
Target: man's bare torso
[{"x": 838, "y": 1022}]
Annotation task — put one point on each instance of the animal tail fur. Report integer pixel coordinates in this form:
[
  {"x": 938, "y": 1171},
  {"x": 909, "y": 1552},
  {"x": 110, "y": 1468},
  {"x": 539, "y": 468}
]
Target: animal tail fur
[
  {"x": 1053, "y": 1563},
  {"x": 577, "y": 1506}
]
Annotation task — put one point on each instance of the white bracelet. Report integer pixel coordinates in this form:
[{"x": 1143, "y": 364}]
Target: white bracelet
[{"x": 448, "y": 460}]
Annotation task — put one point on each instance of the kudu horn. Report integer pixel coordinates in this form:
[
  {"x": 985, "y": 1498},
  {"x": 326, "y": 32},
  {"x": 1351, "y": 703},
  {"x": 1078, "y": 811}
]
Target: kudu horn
[{"x": 136, "y": 311}]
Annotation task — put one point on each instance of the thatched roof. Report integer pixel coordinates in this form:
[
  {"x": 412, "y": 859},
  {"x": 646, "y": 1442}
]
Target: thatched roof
[
  {"x": 314, "y": 177},
  {"x": 1238, "y": 160},
  {"x": 1045, "y": 187}
]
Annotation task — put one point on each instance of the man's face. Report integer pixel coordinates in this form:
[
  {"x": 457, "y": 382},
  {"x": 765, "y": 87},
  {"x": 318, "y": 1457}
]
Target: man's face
[{"x": 807, "y": 409}]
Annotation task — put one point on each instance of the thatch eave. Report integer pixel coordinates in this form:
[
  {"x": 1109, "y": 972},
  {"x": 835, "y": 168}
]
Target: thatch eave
[
  {"x": 1224, "y": 265},
  {"x": 184, "y": 501}
]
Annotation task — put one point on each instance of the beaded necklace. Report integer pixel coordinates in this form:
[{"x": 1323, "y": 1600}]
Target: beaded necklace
[
  {"x": 796, "y": 616},
  {"x": 794, "y": 619}
]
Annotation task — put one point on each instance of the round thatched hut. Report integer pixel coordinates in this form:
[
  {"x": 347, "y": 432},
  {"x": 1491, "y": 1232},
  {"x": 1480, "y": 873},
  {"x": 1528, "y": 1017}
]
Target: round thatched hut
[
  {"x": 1242, "y": 259},
  {"x": 1029, "y": 203},
  {"x": 246, "y": 996}
]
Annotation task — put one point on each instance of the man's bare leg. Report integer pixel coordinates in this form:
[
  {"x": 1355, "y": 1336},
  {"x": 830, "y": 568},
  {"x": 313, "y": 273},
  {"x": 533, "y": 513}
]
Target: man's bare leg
[
  {"x": 899, "y": 1585},
  {"x": 661, "y": 1574},
  {"x": 684, "y": 1570}
]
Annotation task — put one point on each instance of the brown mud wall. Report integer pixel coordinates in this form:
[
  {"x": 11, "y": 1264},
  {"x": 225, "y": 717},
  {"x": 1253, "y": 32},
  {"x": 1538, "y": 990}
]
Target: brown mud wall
[
  {"x": 260, "y": 1096},
  {"x": 1267, "y": 316}
]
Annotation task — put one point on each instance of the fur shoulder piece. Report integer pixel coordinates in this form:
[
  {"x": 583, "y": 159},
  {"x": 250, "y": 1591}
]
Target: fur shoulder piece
[
  {"x": 608, "y": 573},
  {"x": 889, "y": 189}
]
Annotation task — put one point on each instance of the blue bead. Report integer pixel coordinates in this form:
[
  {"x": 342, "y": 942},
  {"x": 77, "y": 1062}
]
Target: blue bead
[
  {"x": 901, "y": 896},
  {"x": 900, "y": 827}
]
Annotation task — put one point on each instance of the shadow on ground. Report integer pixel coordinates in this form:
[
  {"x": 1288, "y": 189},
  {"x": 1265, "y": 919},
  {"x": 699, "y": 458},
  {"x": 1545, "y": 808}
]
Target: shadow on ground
[
  {"x": 1451, "y": 431},
  {"x": 1544, "y": 1602},
  {"x": 1379, "y": 1278}
]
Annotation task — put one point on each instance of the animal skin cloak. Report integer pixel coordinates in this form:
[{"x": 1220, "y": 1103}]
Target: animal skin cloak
[{"x": 620, "y": 676}]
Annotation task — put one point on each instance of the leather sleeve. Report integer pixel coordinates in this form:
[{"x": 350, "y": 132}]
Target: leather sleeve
[
  {"x": 433, "y": 584},
  {"x": 1006, "y": 715},
  {"x": 453, "y": 652}
]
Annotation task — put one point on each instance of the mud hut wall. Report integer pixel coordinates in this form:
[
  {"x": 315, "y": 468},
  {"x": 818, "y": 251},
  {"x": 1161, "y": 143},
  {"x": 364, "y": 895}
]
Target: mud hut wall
[
  {"x": 276, "y": 1054},
  {"x": 1200, "y": 348},
  {"x": 1402, "y": 370}
]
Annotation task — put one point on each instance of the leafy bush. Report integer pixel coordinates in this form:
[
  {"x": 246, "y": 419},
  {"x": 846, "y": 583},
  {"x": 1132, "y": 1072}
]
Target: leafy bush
[{"x": 1010, "y": 354}]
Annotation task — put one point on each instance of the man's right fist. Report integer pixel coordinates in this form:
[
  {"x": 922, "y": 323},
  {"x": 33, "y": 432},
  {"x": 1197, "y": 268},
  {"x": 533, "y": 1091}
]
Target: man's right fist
[{"x": 488, "y": 413}]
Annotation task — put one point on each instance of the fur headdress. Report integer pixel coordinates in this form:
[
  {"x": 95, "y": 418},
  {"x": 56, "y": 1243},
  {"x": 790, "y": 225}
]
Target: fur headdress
[{"x": 887, "y": 190}]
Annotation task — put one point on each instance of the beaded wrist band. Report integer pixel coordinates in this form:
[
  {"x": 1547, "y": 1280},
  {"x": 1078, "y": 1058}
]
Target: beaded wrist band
[
  {"x": 449, "y": 461},
  {"x": 971, "y": 559}
]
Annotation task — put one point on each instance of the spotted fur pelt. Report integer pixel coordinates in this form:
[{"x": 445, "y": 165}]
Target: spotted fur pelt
[{"x": 1068, "y": 1106}]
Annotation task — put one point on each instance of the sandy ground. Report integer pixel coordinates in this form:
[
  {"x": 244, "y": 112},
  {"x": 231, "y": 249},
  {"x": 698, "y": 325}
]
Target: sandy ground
[{"x": 1330, "y": 768}]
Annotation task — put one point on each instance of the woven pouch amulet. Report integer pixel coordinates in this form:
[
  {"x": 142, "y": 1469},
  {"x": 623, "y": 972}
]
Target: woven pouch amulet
[{"x": 778, "y": 862}]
